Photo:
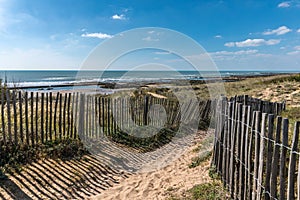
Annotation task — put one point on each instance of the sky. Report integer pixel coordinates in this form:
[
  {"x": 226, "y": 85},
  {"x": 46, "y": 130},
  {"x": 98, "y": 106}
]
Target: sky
[{"x": 238, "y": 35}]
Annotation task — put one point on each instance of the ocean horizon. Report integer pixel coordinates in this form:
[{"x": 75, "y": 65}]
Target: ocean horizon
[{"x": 48, "y": 78}]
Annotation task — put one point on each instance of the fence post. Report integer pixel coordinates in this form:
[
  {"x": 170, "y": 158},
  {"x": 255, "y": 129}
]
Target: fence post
[
  {"x": 50, "y": 116},
  {"x": 220, "y": 135},
  {"x": 292, "y": 165},
  {"x": 229, "y": 118},
  {"x": 8, "y": 116},
  {"x": 261, "y": 155},
  {"x": 21, "y": 117},
  {"x": 2, "y": 116},
  {"x": 282, "y": 173},
  {"x": 250, "y": 153},
  {"x": 233, "y": 145},
  {"x": 15, "y": 118},
  {"x": 26, "y": 118},
  {"x": 47, "y": 117},
  {"x": 238, "y": 149},
  {"x": 242, "y": 145},
  {"x": 64, "y": 114},
  {"x": 60, "y": 116},
  {"x": 216, "y": 138},
  {"x": 256, "y": 155},
  {"x": 269, "y": 155},
  {"x": 81, "y": 117},
  {"x": 274, "y": 171},
  {"x": 31, "y": 120},
  {"x": 224, "y": 140},
  {"x": 55, "y": 115},
  {"x": 42, "y": 118}
]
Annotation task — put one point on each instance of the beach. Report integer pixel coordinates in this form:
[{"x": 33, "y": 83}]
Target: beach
[{"x": 97, "y": 177}]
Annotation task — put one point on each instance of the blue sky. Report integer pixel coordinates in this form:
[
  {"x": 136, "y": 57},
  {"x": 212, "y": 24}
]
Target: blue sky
[{"x": 238, "y": 35}]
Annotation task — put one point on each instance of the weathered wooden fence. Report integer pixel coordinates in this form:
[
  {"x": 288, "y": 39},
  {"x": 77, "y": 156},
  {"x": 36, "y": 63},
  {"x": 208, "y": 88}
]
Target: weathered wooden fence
[
  {"x": 30, "y": 118},
  {"x": 252, "y": 151}
]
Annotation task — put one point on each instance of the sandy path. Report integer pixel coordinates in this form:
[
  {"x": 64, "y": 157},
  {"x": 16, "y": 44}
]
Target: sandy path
[
  {"x": 99, "y": 178},
  {"x": 174, "y": 178}
]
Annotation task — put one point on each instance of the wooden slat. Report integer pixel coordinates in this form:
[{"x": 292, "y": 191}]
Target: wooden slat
[
  {"x": 216, "y": 136},
  {"x": 64, "y": 114},
  {"x": 3, "y": 116},
  {"x": 282, "y": 172},
  {"x": 36, "y": 117},
  {"x": 50, "y": 116},
  {"x": 256, "y": 152},
  {"x": 261, "y": 156},
  {"x": 81, "y": 117},
  {"x": 292, "y": 164},
  {"x": 15, "y": 118},
  {"x": 60, "y": 116},
  {"x": 233, "y": 145},
  {"x": 8, "y": 116},
  {"x": 87, "y": 121},
  {"x": 250, "y": 154},
  {"x": 76, "y": 116},
  {"x": 26, "y": 119},
  {"x": 247, "y": 144},
  {"x": 68, "y": 115},
  {"x": 269, "y": 155},
  {"x": 220, "y": 135},
  {"x": 21, "y": 117},
  {"x": 47, "y": 117},
  {"x": 275, "y": 160},
  {"x": 103, "y": 115},
  {"x": 225, "y": 142},
  {"x": 242, "y": 149},
  {"x": 55, "y": 116},
  {"x": 229, "y": 112},
  {"x": 108, "y": 117},
  {"x": 238, "y": 147},
  {"x": 96, "y": 116},
  {"x": 42, "y": 117},
  {"x": 32, "y": 118},
  {"x": 72, "y": 116}
]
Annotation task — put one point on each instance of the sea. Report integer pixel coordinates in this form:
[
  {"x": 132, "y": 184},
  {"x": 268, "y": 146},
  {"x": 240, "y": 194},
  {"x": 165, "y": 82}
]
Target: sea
[{"x": 60, "y": 80}]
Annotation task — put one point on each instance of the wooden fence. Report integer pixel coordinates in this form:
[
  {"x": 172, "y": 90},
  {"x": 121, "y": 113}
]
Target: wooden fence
[
  {"x": 252, "y": 150},
  {"x": 33, "y": 118}
]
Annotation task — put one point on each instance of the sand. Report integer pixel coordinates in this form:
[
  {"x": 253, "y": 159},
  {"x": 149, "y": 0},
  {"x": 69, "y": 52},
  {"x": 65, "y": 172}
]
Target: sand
[
  {"x": 173, "y": 179},
  {"x": 91, "y": 178}
]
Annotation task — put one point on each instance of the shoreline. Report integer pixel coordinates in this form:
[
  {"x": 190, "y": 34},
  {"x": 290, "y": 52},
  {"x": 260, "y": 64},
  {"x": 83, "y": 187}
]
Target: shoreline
[{"x": 143, "y": 83}]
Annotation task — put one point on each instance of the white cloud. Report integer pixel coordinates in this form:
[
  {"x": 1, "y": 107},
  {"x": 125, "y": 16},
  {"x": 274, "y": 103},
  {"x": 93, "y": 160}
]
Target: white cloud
[
  {"x": 297, "y": 48},
  {"x": 284, "y": 4},
  {"x": 118, "y": 17},
  {"x": 296, "y": 52},
  {"x": 230, "y": 53},
  {"x": 229, "y": 44},
  {"x": 298, "y": 31},
  {"x": 279, "y": 31},
  {"x": 252, "y": 43},
  {"x": 96, "y": 35},
  {"x": 287, "y": 4},
  {"x": 293, "y": 53},
  {"x": 150, "y": 39},
  {"x": 218, "y": 36}
]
